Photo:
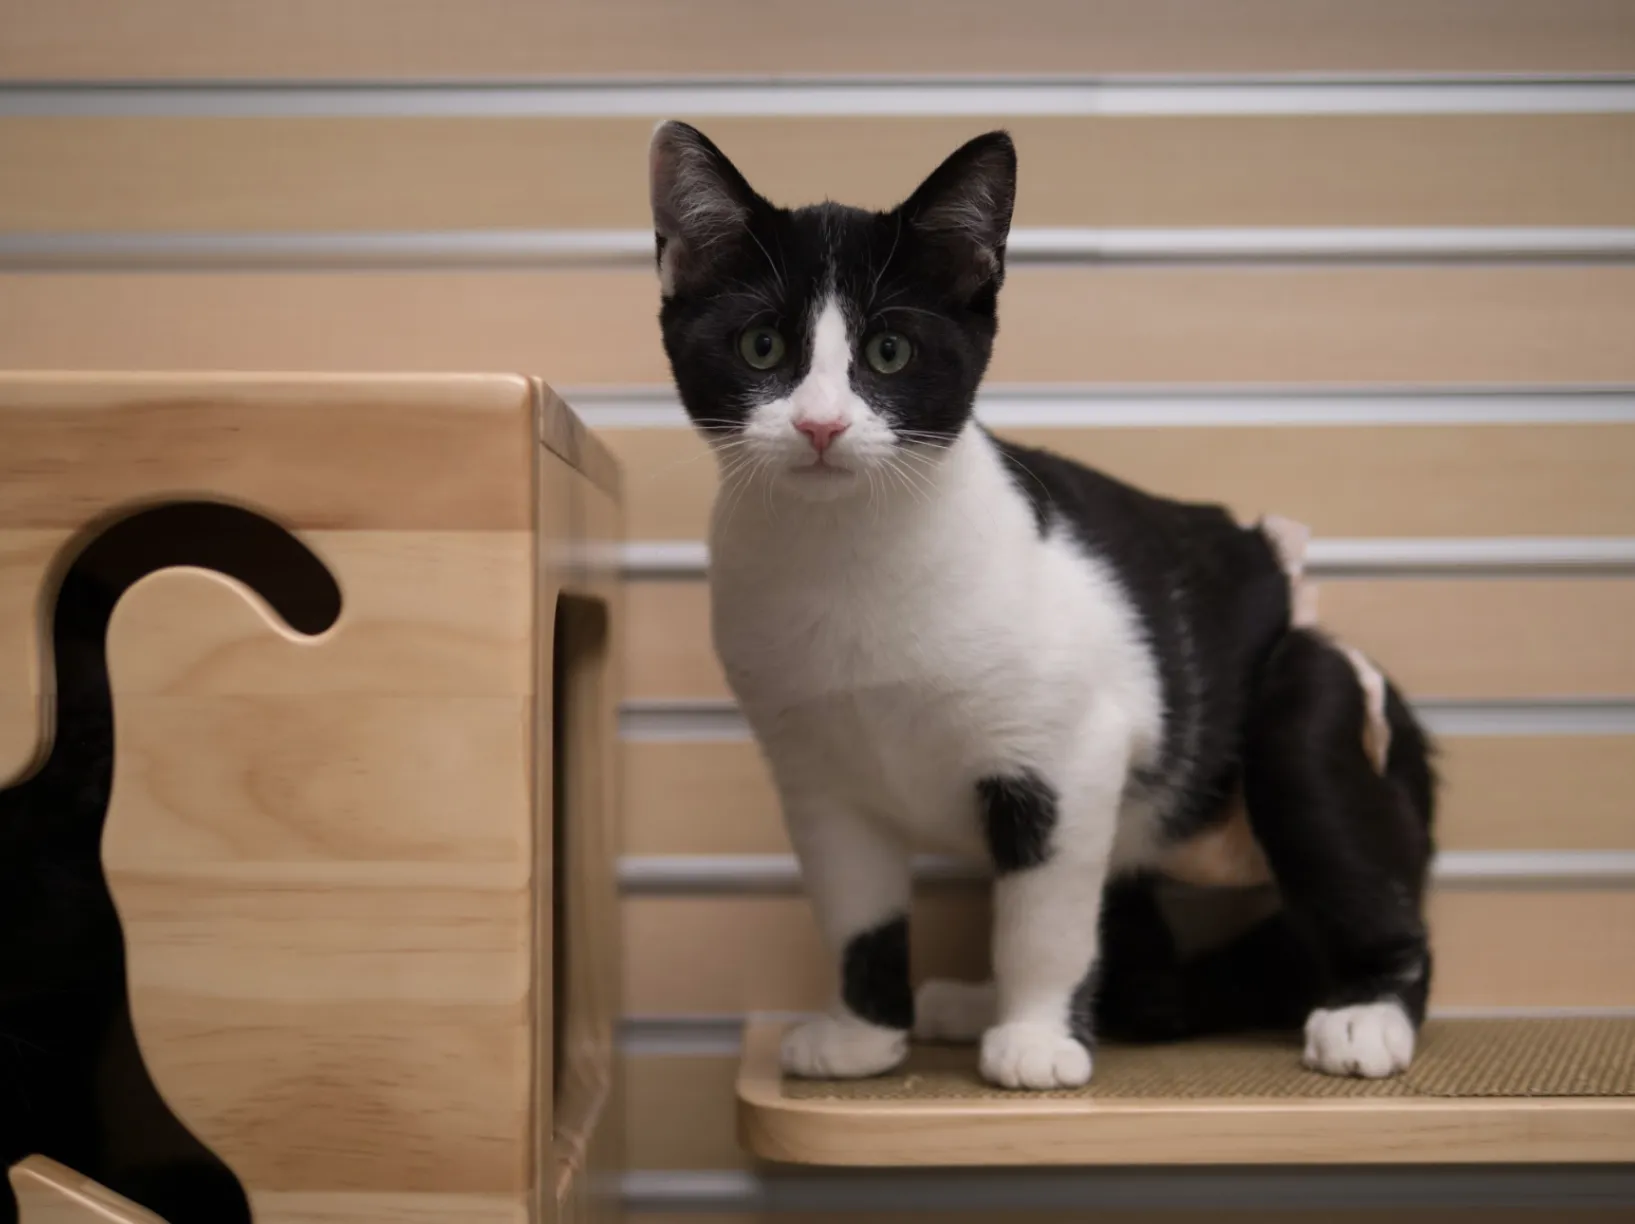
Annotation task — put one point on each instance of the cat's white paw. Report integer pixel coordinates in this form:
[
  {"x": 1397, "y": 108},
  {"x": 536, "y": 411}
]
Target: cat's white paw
[
  {"x": 1029, "y": 1054},
  {"x": 834, "y": 1048},
  {"x": 954, "y": 1011},
  {"x": 1372, "y": 1040}
]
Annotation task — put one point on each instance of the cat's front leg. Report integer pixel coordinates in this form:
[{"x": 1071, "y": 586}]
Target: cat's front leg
[
  {"x": 857, "y": 874},
  {"x": 1050, "y": 845}
]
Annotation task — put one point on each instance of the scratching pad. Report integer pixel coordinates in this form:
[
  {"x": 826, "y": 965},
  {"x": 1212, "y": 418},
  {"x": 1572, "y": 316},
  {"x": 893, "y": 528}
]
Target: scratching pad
[{"x": 1578, "y": 1057}]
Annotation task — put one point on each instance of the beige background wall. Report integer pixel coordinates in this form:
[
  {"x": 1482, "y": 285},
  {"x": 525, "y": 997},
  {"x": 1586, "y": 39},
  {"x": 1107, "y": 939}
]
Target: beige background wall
[{"x": 1411, "y": 324}]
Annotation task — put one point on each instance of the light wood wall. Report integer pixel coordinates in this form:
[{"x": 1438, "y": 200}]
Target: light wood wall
[
  {"x": 430, "y": 39},
  {"x": 1418, "y": 400}
]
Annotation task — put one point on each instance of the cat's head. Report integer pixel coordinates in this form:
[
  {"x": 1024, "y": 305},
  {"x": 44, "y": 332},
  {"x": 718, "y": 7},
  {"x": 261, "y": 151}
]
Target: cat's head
[{"x": 816, "y": 345}]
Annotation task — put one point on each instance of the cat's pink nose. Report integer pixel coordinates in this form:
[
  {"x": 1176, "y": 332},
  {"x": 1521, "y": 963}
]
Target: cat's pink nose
[{"x": 821, "y": 433}]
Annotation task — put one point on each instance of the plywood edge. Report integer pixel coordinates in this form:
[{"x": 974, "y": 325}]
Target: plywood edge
[
  {"x": 50, "y": 1193},
  {"x": 563, "y": 434},
  {"x": 575, "y": 1124},
  {"x": 60, "y": 388},
  {"x": 1030, "y": 1131}
]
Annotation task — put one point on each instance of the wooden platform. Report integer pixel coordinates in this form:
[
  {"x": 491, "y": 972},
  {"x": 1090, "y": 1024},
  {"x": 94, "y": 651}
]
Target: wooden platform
[{"x": 1244, "y": 1101}]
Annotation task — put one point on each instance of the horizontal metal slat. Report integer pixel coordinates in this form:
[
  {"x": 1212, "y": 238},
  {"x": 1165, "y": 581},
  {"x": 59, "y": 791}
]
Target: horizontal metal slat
[
  {"x": 136, "y": 251},
  {"x": 722, "y": 874},
  {"x": 1338, "y": 95}
]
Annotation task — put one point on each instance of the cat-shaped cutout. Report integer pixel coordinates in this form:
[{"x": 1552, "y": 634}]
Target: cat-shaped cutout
[{"x": 73, "y": 1083}]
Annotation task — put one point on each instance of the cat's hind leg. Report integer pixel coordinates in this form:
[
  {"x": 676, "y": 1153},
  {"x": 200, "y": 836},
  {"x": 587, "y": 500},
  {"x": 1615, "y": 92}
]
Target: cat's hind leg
[{"x": 1339, "y": 790}]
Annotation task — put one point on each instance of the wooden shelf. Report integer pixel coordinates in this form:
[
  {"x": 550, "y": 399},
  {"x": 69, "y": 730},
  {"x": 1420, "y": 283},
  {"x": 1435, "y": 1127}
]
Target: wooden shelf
[{"x": 896, "y": 1122}]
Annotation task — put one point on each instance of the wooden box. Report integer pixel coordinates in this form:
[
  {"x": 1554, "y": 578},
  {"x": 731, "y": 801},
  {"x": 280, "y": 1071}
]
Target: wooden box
[{"x": 365, "y": 873}]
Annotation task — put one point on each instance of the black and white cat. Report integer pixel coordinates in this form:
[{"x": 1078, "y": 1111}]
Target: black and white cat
[{"x": 944, "y": 641}]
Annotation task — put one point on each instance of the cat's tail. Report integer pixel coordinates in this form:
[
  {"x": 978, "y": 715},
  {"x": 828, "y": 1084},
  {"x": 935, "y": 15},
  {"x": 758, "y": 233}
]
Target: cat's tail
[{"x": 115, "y": 555}]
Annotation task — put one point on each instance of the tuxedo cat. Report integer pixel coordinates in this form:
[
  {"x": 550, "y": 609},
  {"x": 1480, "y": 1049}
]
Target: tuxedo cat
[
  {"x": 73, "y": 1085},
  {"x": 945, "y": 641}
]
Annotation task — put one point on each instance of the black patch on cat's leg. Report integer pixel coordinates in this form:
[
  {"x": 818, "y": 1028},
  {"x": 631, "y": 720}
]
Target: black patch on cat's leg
[
  {"x": 874, "y": 975},
  {"x": 1018, "y": 818},
  {"x": 1350, "y": 847}
]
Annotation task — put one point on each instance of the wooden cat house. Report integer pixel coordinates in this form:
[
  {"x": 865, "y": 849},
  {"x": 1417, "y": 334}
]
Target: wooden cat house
[{"x": 360, "y": 965}]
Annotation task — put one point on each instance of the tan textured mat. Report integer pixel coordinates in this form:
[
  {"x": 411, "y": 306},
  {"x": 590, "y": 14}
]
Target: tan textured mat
[{"x": 1577, "y": 1057}]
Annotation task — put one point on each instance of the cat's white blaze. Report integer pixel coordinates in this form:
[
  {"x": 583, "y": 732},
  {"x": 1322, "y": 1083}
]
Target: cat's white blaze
[
  {"x": 893, "y": 646},
  {"x": 825, "y": 395},
  {"x": 784, "y": 456}
]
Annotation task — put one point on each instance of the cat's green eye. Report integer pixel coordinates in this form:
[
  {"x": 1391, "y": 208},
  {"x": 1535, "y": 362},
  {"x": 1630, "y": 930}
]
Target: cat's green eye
[
  {"x": 761, "y": 347},
  {"x": 888, "y": 352}
]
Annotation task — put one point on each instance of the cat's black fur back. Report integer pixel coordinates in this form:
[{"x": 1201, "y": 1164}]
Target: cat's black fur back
[
  {"x": 1213, "y": 600},
  {"x": 1253, "y": 707},
  {"x": 73, "y": 1085}
]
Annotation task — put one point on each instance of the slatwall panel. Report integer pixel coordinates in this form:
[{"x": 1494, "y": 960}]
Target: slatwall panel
[
  {"x": 1497, "y": 945},
  {"x": 339, "y": 173},
  {"x": 1482, "y": 1215},
  {"x": 713, "y": 797},
  {"x": 1173, "y": 1216},
  {"x": 1252, "y": 268},
  {"x": 1445, "y": 638},
  {"x": 323, "y": 40},
  {"x": 1550, "y": 475},
  {"x": 1322, "y": 326}
]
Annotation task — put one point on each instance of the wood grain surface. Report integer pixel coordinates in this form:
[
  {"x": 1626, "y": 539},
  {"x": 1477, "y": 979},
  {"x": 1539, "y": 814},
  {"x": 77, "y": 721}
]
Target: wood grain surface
[
  {"x": 1263, "y": 325},
  {"x": 1496, "y": 946},
  {"x": 190, "y": 174},
  {"x": 1445, "y": 480},
  {"x": 315, "y": 40},
  {"x": 1499, "y": 792},
  {"x": 323, "y": 850},
  {"x": 1439, "y": 638}
]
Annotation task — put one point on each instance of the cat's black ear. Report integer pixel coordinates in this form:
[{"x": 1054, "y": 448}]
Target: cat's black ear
[
  {"x": 965, "y": 207},
  {"x": 700, "y": 202}
]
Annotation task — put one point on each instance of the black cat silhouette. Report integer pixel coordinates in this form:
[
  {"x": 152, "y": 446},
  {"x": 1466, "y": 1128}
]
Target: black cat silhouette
[{"x": 73, "y": 1085}]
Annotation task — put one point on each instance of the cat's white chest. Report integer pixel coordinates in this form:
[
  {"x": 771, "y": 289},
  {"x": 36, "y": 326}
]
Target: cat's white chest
[
  {"x": 875, "y": 716},
  {"x": 787, "y": 641},
  {"x": 939, "y": 603},
  {"x": 897, "y": 669}
]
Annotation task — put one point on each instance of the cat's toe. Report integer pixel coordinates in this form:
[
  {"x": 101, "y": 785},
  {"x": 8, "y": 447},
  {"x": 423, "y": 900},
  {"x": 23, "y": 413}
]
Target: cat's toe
[
  {"x": 842, "y": 1048},
  {"x": 1033, "y": 1055},
  {"x": 1372, "y": 1040},
  {"x": 954, "y": 1011}
]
